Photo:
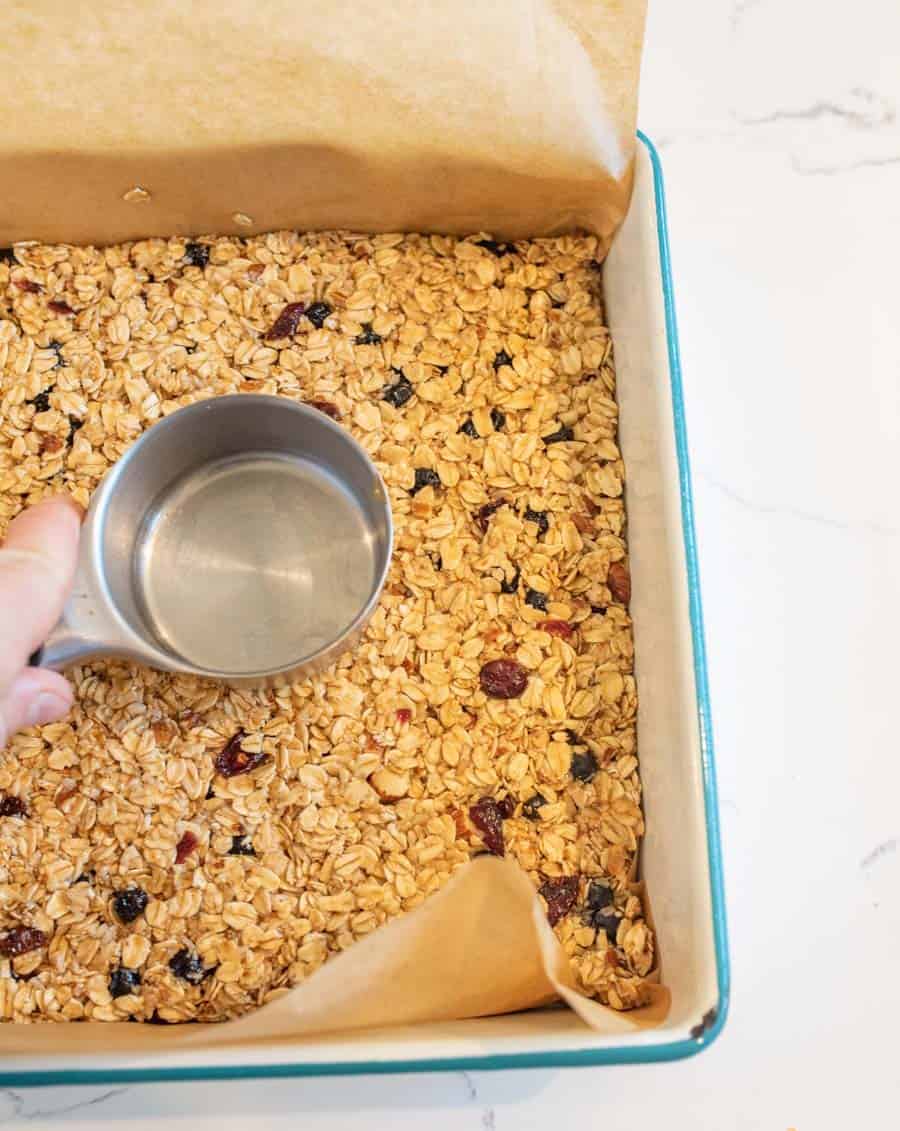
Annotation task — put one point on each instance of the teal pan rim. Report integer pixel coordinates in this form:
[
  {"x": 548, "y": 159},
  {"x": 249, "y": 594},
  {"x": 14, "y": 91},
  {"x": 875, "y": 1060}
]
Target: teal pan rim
[{"x": 714, "y": 1020}]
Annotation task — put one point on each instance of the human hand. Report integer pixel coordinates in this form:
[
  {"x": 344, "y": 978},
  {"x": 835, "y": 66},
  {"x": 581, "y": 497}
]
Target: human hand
[{"x": 37, "y": 565}]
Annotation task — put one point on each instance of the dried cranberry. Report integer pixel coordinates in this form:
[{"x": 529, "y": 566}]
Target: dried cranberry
[
  {"x": 185, "y": 847},
  {"x": 469, "y": 429},
  {"x": 539, "y": 517},
  {"x": 536, "y": 599},
  {"x": 51, "y": 444},
  {"x": 59, "y": 307},
  {"x": 232, "y": 760},
  {"x": 41, "y": 402},
  {"x": 503, "y": 679},
  {"x": 129, "y": 903},
  {"x": 495, "y": 248},
  {"x": 123, "y": 980},
  {"x": 512, "y": 585},
  {"x": 560, "y": 628},
  {"x": 241, "y": 845},
  {"x": 400, "y": 392},
  {"x": 368, "y": 337},
  {"x": 502, "y": 358},
  {"x": 285, "y": 325},
  {"x": 317, "y": 313},
  {"x": 425, "y": 477},
  {"x": 487, "y": 816},
  {"x": 507, "y": 806},
  {"x": 403, "y": 715},
  {"x": 561, "y": 436},
  {"x": 532, "y": 805},
  {"x": 189, "y": 967},
  {"x": 618, "y": 581},
  {"x": 583, "y": 766},
  {"x": 29, "y": 286},
  {"x": 327, "y": 407},
  {"x": 560, "y": 894},
  {"x": 197, "y": 254},
  {"x": 21, "y": 940},
  {"x": 483, "y": 514},
  {"x": 13, "y": 807},
  {"x": 497, "y": 419}
]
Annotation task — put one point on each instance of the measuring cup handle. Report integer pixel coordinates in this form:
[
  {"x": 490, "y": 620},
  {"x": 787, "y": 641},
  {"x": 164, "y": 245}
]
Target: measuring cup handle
[{"x": 64, "y": 647}]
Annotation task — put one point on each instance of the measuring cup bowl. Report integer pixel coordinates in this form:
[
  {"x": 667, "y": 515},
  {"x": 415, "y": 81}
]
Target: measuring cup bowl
[{"x": 243, "y": 538}]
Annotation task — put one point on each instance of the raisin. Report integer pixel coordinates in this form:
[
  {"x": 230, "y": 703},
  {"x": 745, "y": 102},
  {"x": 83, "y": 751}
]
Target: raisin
[
  {"x": 560, "y": 628},
  {"x": 502, "y": 358},
  {"x": 618, "y": 581},
  {"x": 403, "y": 715},
  {"x": 232, "y": 760},
  {"x": 497, "y": 419},
  {"x": 512, "y": 585},
  {"x": 583, "y": 765},
  {"x": 28, "y": 286},
  {"x": 487, "y": 816},
  {"x": 123, "y": 980},
  {"x": 539, "y": 517},
  {"x": 197, "y": 254},
  {"x": 241, "y": 845},
  {"x": 469, "y": 429},
  {"x": 189, "y": 967},
  {"x": 561, "y": 436},
  {"x": 503, "y": 679},
  {"x": 425, "y": 477},
  {"x": 129, "y": 903},
  {"x": 21, "y": 940},
  {"x": 285, "y": 325},
  {"x": 13, "y": 807},
  {"x": 483, "y": 514},
  {"x": 59, "y": 307},
  {"x": 368, "y": 337},
  {"x": 185, "y": 847},
  {"x": 536, "y": 599},
  {"x": 532, "y": 805},
  {"x": 41, "y": 402},
  {"x": 400, "y": 392},
  {"x": 560, "y": 894},
  {"x": 317, "y": 313},
  {"x": 327, "y": 407},
  {"x": 495, "y": 248}
]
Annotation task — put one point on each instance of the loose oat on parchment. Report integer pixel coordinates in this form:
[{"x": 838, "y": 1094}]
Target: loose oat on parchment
[{"x": 137, "y": 878}]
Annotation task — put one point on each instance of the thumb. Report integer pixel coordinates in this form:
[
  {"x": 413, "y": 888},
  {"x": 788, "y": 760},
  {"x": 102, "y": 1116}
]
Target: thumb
[{"x": 35, "y": 697}]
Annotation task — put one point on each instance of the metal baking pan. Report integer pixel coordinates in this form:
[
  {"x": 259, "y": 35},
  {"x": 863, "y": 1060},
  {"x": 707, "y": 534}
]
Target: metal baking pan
[{"x": 681, "y": 856}]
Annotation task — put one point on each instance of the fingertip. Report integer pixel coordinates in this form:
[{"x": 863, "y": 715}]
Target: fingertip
[{"x": 36, "y": 697}]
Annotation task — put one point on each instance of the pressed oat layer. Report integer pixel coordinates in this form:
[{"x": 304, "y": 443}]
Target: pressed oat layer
[{"x": 136, "y": 878}]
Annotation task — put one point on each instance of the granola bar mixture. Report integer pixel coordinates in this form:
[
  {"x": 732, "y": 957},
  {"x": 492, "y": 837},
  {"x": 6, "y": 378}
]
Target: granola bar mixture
[{"x": 177, "y": 850}]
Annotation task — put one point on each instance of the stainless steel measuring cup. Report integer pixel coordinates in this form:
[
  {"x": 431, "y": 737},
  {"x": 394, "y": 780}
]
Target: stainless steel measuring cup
[{"x": 243, "y": 538}]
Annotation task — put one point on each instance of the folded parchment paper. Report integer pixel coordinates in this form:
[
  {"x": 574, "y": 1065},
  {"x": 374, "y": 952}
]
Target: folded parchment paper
[{"x": 515, "y": 118}]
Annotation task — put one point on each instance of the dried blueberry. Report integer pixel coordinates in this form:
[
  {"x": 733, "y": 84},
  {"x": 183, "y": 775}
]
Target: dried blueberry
[
  {"x": 123, "y": 980},
  {"x": 560, "y": 893},
  {"x": 57, "y": 349},
  {"x": 513, "y": 584},
  {"x": 41, "y": 402},
  {"x": 13, "y": 807},
  {"x": 502, "y": 358},
  {"x": 536, "y": 599},
  {"x": 129, "y": 903},
  {"x": 74, "y": 425},
  {"x": 317, "y": 313},
  {"x": 241, "y": 845},
  {"x": 469, "y": 429},
  {"x": 189, "y": 967},
  {"x": 495, "y": 248},
  {"x": 232, "y": 759},
  {"x": 583, "y": 765},
  {"x": 532, "y": 805},
  {"x": 604, "y": 921},
  {"x": 368, "y": 337},
  {"x": 503, "y": 679},
  {"x": 487, "y": 816},
  {"x": 21, "y": 940},
  {"x": 497, "y": 419},
  {"x": 539, "y": 517},
  {"x": 425, "y": 477},
  {"x": 400, "y": 392},
  {"x": 197, "y": 254},
  {"x": 483, "y": 514},
  {"x": 574, "y": 739},
  {"x": 561, "y": 436},
  {"x": 599, "y": 896}
]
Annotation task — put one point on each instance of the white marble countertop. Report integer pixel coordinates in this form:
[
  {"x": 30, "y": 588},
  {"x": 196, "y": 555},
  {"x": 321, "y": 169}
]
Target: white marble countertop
[{"x": 777, "y": 124}]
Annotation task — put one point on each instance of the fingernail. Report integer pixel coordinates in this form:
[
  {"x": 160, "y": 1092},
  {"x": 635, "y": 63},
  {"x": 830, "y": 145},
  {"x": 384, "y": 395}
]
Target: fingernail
[{"x": 46, "y": 708}]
